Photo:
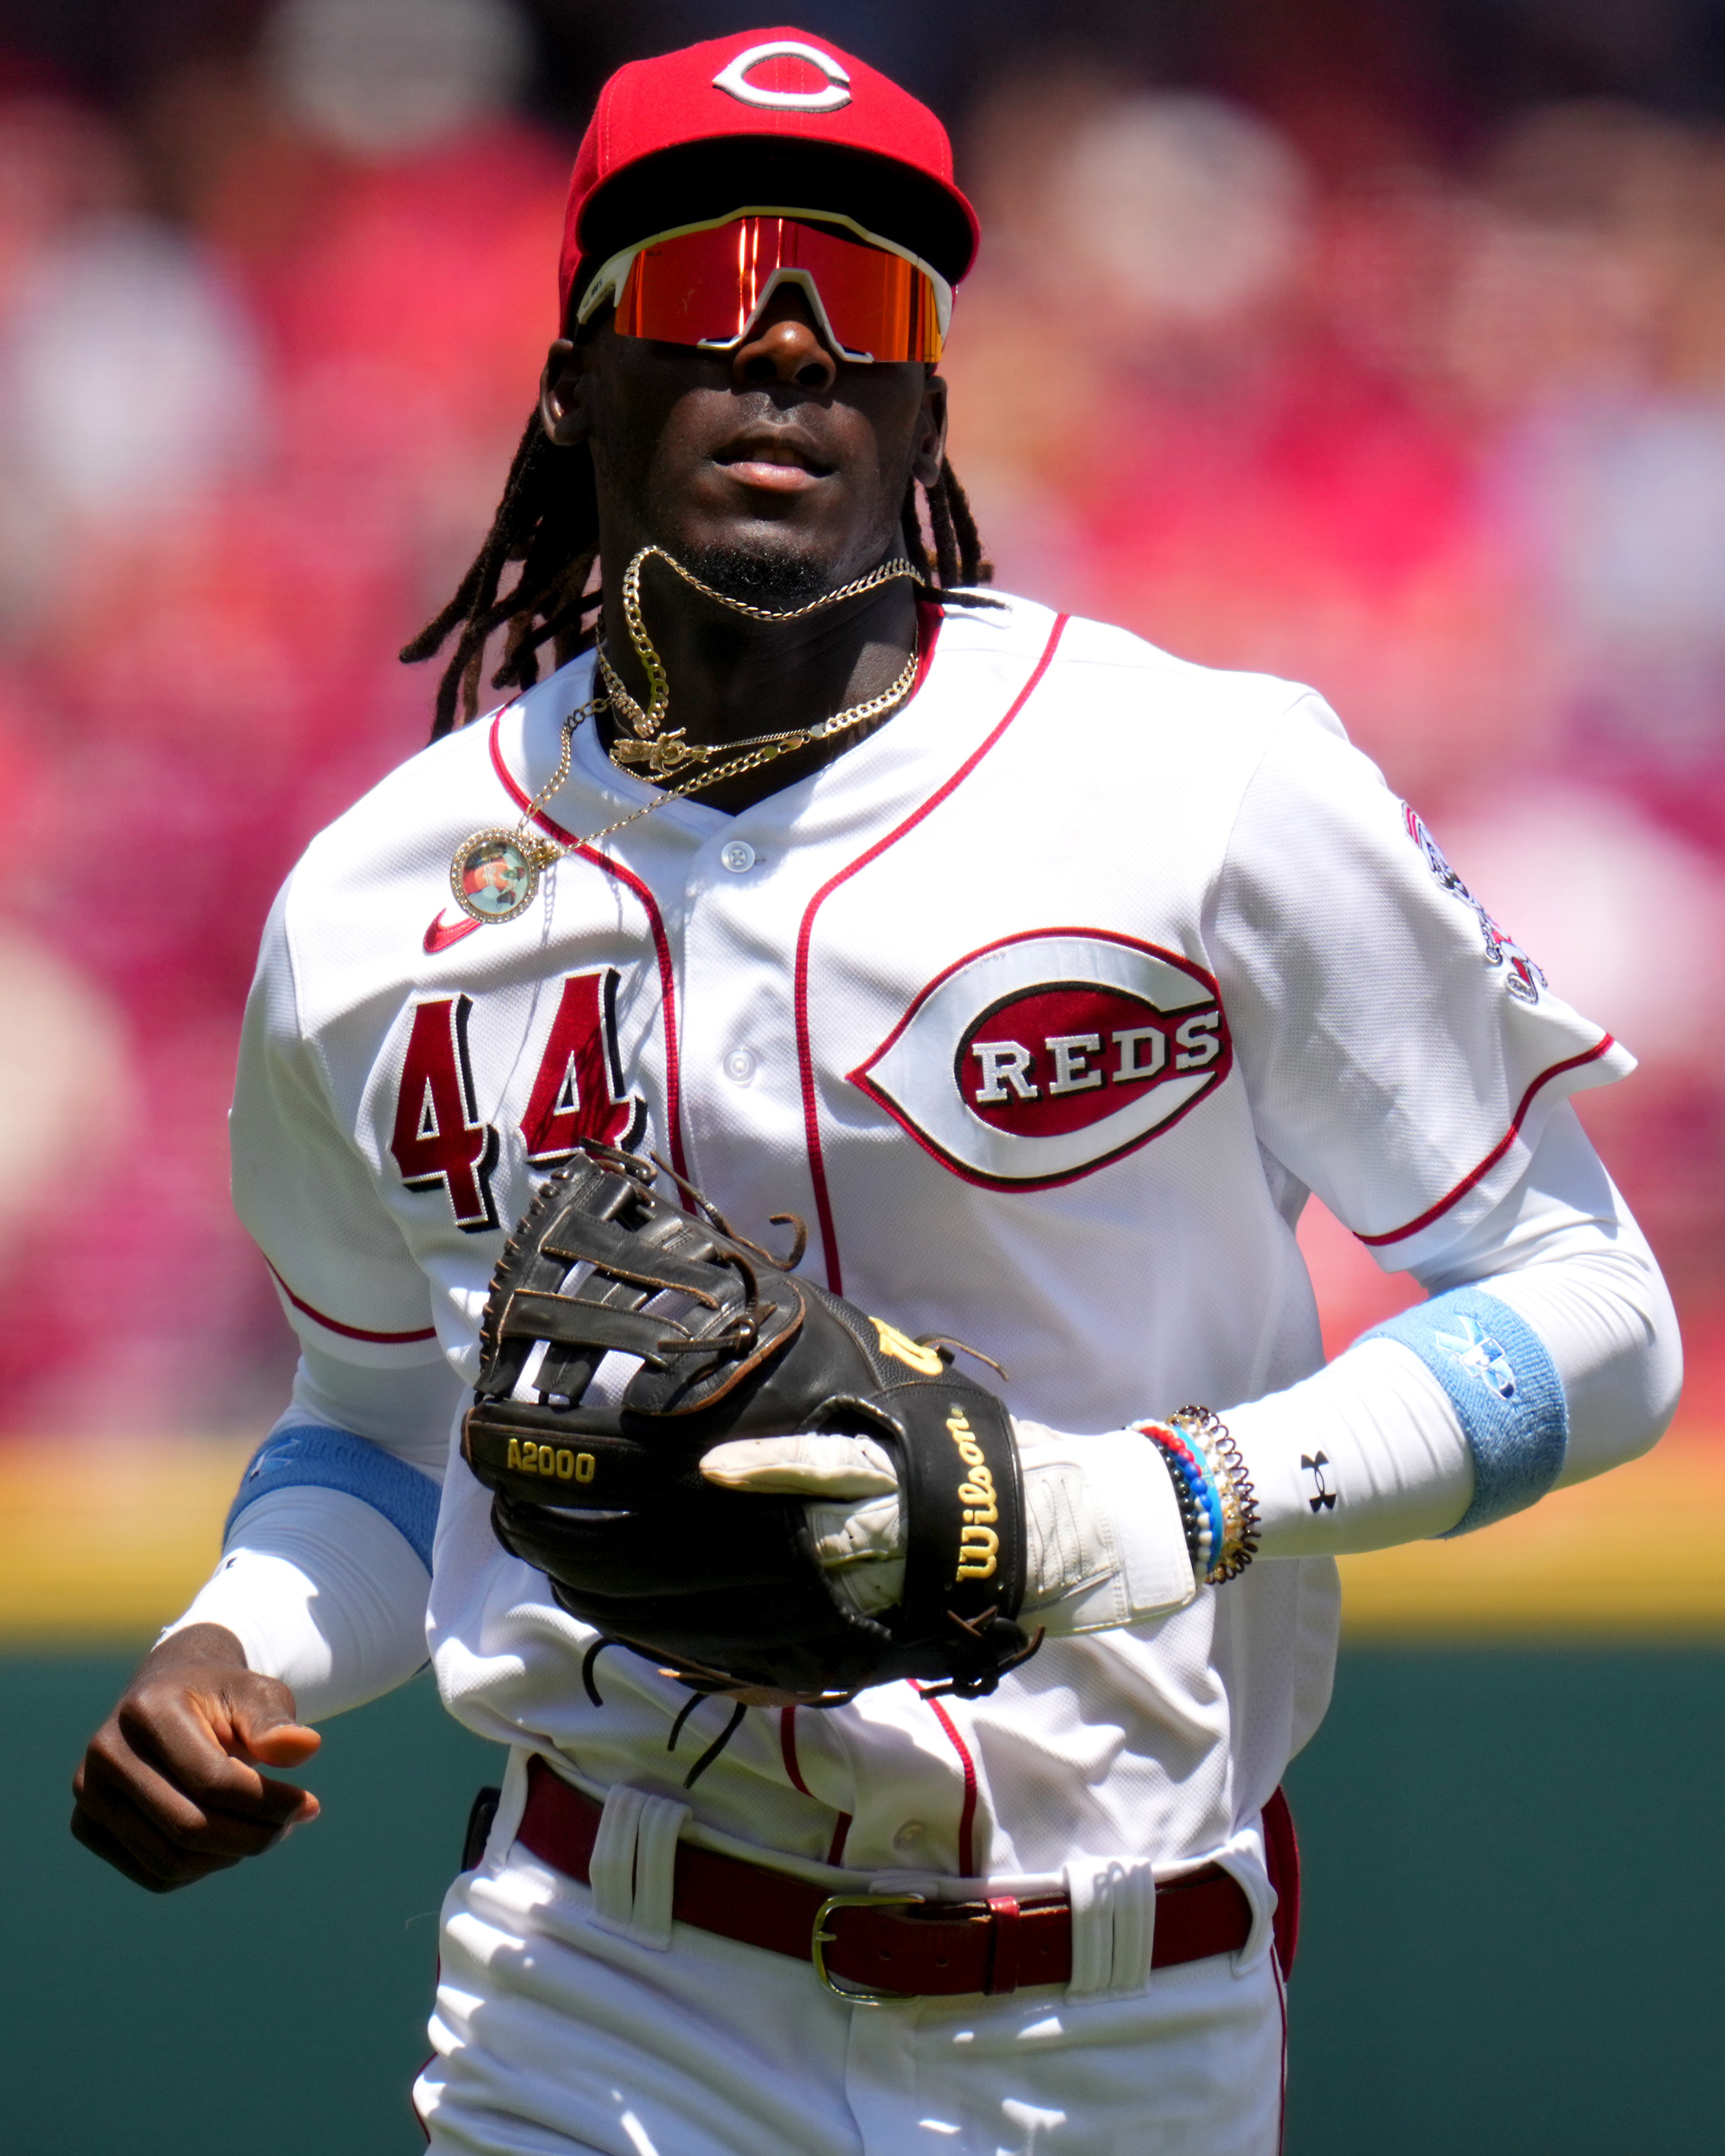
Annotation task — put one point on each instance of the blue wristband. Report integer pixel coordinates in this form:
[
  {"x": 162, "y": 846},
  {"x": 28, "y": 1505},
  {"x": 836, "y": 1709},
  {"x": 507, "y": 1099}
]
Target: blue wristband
[
  {"x": 313, "y": 1457},
  {"x": 1505, "y": 1391}
]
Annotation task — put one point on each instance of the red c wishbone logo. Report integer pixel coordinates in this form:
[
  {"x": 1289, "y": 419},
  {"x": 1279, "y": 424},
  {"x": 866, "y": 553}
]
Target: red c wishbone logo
[{"x": 1043, "y": 1057}]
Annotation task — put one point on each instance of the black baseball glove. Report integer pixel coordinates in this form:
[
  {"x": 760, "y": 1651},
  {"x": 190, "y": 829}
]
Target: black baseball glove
[{"x": 723, "y": 1587}]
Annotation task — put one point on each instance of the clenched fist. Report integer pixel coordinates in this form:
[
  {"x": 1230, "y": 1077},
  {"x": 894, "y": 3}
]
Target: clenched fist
[{"x": 170, "y": 1788}]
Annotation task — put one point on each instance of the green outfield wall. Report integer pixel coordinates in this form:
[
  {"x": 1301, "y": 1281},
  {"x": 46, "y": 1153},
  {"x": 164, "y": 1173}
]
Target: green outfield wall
[{"x": 1516, "y": 1897}]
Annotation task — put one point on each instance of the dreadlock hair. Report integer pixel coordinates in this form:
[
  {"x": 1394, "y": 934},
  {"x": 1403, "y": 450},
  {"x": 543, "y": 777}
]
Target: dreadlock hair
[{"x": 548, "y": 521}]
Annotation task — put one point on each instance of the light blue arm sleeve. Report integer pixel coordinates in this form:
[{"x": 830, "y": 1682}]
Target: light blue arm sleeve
[
  {"x": 326, "y": 1459},
  {"x": 1505, "y": 1391}
]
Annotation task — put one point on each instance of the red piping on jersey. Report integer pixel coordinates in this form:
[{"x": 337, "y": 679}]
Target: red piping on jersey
[
  {"x": 1433, "y": 1212},
  {"x": 661, "y": 941},
  {"x": 351, "y": 1332},
  {"x": 966, "y": 1818},
  {"x": 805, "y": 1057},
  {"x": 787, "y": 1749}
]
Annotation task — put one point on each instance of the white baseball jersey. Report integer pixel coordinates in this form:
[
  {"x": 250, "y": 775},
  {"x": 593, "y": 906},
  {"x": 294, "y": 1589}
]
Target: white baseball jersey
[{"x": 1045, "y": 1006}]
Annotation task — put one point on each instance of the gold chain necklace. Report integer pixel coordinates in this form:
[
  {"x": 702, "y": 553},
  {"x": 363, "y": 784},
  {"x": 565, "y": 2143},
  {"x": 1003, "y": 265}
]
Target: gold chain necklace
[
  {"x": 494, "y": 874},
  {"x": 669, "y": 751},
  {"x": 664, "y": 754}
]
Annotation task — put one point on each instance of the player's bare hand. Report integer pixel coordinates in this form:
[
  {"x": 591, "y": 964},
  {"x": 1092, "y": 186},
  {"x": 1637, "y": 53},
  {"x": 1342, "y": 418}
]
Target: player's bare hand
[{"x": 170, "y": 1789}]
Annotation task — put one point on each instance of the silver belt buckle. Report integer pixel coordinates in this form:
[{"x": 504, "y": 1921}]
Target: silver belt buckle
[{"x": 820, "y": 1939}]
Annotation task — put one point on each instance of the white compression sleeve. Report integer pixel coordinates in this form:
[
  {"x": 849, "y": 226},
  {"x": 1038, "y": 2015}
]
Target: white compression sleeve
[
  {"x": 318, "y": 1587},
  {"x": 1386, "y": 1444},
  {"x": 322, "y": 1592},
  {"x": 1563, "y": 1253},
  {"x": 1567, "y": 1255}
]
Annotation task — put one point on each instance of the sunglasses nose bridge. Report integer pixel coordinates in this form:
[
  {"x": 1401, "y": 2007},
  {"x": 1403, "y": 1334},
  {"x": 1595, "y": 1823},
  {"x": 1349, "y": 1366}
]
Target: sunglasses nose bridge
[{"x": 787, "y": 348}]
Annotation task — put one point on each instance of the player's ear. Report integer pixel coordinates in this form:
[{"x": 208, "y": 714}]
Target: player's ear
[
  {"x": 931, "y": 445},
  {"x": 563, "y": 395}
]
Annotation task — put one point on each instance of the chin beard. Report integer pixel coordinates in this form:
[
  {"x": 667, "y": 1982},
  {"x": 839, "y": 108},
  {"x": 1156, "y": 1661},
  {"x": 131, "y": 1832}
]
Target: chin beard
[{"x": 775, "y": 580}]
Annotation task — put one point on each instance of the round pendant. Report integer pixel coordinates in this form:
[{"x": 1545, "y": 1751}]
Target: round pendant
[{"x": 494, "y": 875}]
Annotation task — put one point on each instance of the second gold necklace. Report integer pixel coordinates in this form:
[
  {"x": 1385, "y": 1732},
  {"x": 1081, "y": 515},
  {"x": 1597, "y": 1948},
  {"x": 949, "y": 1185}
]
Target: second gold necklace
[{"x": 495, "y": 874}]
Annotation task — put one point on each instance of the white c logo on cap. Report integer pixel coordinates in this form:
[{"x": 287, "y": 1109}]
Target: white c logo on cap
[{"x": 733, "y": 79}]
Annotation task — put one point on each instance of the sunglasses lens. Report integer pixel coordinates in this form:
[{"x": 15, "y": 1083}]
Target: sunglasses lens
[{"x": 705, "y": 287}]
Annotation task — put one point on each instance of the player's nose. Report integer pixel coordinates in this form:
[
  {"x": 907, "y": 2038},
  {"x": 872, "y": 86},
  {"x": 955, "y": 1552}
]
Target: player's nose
[{"x": 785, "y": 346}]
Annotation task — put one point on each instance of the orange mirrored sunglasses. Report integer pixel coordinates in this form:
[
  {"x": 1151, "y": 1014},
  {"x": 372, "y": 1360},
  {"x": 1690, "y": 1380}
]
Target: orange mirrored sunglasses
[{"x": 706, "y": 285}]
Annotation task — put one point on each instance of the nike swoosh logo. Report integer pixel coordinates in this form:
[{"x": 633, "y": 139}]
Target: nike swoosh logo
[{"x": 443, "y": 933}]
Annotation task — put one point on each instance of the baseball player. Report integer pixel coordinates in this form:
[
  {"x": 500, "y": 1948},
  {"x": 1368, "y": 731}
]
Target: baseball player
[{"x": 1042, "y": 976}]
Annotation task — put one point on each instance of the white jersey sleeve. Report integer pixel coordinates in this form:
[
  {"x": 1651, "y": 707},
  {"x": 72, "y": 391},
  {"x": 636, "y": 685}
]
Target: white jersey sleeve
[
  {"x": 409, "y": 1413},
  {"x": 348, "y": 1284},
  {"x": 1401, "y": 1052},
  {"x": 326, "y": 1561}
]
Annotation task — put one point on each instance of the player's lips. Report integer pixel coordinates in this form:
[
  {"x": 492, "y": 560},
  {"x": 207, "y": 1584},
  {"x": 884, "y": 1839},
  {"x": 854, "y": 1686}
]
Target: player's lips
[{"x": 778, "y": 460}]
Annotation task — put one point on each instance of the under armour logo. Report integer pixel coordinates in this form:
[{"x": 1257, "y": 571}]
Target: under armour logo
[
  {"x": 1314, "y": 1464},
  {"x": 1480, "y": 1356}
]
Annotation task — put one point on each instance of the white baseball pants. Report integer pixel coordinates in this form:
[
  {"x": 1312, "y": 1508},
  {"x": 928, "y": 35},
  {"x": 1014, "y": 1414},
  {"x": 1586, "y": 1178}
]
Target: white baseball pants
[{"x": 554, "y": 2037}]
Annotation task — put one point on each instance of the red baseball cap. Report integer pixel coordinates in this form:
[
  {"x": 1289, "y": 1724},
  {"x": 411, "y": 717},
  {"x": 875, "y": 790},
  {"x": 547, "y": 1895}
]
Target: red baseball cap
[{"x": 762, "y": 118}]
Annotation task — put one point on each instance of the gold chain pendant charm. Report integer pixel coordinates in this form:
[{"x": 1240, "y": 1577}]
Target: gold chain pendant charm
[
  {"x": 660, "y": 757},
  {"x": 495, "y": 874}
]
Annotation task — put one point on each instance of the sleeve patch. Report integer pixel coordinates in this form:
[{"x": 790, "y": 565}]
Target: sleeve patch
[
  {"x": 312, "y": 1457},
  {"x": 1522, "y": 978},
  {"x": 1505, "y": 1391}
]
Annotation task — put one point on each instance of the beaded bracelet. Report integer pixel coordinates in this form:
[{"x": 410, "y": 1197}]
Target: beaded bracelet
[
  {"x": 1192, "y": 1472},
  {"x": 1239, "y": 1502},
  {"x": 1195, "y": 1516},
  {"x": 1218, "y": 1508}
]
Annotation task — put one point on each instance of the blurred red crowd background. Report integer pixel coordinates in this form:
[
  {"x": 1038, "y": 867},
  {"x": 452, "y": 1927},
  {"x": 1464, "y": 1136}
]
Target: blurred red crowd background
[{"x": 1381, "y": 346}]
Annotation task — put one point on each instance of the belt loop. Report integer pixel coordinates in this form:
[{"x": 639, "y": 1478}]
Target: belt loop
[
  {"x": 1005, "y": 1937},
  {"x": 632, "y": 1872},
  {"x": 511, "y": 1803},
  {"x": 1254, "y": 1882},
  {"x": 1114, "y": 1926}
]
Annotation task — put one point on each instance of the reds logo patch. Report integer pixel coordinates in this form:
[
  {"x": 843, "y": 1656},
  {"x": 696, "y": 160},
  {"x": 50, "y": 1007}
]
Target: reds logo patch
[{"x": 1048, "y": 1054}]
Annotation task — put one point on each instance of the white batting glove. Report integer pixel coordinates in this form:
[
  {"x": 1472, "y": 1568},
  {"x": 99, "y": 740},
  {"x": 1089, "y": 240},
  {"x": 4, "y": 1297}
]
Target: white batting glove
[{"x": 1104, "y": 1545}]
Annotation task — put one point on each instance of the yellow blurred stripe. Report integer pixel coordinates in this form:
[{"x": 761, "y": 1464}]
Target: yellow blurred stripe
[
  {"x": 106, "y": 1542},
  {"x": 1639, "y": 1553}
]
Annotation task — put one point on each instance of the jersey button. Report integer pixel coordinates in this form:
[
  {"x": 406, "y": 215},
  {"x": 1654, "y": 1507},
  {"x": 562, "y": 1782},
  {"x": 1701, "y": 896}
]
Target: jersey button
[
  {"x": 740, "y": 1065},
  {"x": 737, "y": 855}
]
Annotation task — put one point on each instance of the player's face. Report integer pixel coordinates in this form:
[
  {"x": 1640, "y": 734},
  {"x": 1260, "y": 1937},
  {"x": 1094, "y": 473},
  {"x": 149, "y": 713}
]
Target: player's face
[{"x": 779, "y": 454}]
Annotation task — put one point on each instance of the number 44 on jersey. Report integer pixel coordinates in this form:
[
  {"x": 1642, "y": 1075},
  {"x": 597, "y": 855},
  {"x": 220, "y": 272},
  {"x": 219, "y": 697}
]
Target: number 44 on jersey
[{"x": 577, "y": 1093}]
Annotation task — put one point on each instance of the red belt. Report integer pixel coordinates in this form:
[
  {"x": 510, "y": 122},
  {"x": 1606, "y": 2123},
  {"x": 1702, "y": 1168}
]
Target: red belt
[{"x": 884, "y": 1945}]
